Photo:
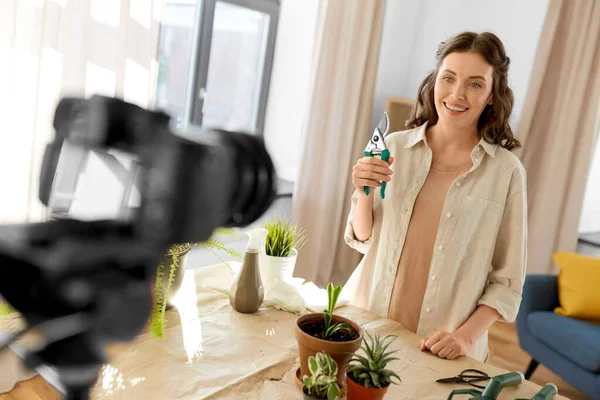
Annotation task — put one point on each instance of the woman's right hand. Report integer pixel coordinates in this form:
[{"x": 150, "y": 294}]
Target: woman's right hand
[{"x": 370, "y": 171}]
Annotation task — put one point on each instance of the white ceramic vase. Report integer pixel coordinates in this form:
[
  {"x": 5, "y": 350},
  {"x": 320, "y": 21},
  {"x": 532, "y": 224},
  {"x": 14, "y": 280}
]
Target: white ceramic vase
[{"x": 277, "y": 267}]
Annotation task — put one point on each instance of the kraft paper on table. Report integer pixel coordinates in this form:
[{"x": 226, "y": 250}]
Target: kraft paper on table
[{"x": 212, "y": 352}]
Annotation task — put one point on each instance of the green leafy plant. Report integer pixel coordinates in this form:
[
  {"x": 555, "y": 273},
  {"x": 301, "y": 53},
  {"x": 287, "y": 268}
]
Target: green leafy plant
[
  {"x": 282, "y": 237},
  {"x": 370, "y": 371},
  {"x": 329, "y": 329},
  {"x": 323, "y": 375},
  {"x": 5, "y": 309},
  {"x": 213, "y": 244}
]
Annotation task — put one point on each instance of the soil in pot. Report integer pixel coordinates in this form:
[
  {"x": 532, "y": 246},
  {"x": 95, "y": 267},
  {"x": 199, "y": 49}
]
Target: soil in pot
[
  {"x": 307, "y": 397},
  {"x": 315, "y": 328},
  {"x": 356, "y": 391},
  {"x": 340, "y": 347}
]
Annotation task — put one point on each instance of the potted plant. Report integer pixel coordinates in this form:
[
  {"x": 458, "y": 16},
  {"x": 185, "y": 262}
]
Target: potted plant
[
  {"x": 282, "y": 244},
  {"x": 321, "y": 384},
  {"x": 338, "y": 336},
  {"x": 168, "y": 280},
  {"x": 367, "y": 377}
]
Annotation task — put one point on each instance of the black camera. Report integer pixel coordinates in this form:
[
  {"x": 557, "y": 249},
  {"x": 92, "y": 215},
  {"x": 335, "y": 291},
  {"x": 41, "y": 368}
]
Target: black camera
[{"x": 84, "y": 284}]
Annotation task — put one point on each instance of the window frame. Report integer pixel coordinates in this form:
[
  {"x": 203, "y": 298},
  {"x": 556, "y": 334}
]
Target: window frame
[{"x": 201, "y": 57}]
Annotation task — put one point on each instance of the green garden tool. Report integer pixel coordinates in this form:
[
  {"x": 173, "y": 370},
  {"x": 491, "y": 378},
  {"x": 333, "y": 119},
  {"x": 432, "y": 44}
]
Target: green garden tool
[
  {"x": 377, "y": 148},
  {"x": 493, "y": 388},
  {"x": 546, "y": 393}
]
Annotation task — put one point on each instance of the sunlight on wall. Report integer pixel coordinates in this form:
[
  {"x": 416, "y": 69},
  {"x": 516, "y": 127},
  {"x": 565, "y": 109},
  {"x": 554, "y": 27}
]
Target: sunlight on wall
[
  {"x": 99, "y": 80},
  {"x": 20, "y": 142},
  {"x": 106, "y": 11},
  {"x": 61, "y": 3},
  {"x": 141, "y": 12},
  {"x": 157, "y": 9},
  {"x": 51, "y": 73},
  {"x": 136, "y": 88}
]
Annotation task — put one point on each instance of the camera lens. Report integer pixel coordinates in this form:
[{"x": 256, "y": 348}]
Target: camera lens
[{"x": 253, "y": 179}]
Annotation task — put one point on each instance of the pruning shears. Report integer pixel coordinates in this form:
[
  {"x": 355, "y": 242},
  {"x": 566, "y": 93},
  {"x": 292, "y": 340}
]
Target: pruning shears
[{"x": 377, "y": 148}]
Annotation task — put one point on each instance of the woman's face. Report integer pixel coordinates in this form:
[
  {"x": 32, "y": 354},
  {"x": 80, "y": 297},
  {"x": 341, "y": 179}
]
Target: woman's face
[{"x": 463, "y": 88}]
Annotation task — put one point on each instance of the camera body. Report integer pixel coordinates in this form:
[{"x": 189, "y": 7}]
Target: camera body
[
  {"x": 229, "y": 174},
  {"x": 85, "y": 284}
]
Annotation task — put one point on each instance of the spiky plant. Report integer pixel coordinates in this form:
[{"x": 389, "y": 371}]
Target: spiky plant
[
  {"x": 158, "y": 321},
  {"x": 282, "y": 236},
  {"x": 370, "y": 371},
  {"x": 322, "y": 382}
]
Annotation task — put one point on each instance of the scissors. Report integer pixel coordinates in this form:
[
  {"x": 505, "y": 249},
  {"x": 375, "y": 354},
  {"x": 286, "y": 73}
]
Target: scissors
[
  {"x": 377, "y": 148},
  {"x": 469, "y": 377}
]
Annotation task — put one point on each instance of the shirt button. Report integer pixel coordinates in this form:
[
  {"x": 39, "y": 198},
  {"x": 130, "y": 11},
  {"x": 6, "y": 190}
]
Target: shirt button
[
  {"x": 433, "y": 278},
  {"x": 448, "y": 215},
  {"x": 428, "y": 309},
  {"x": 458, "y": 184},
  {"x": 440, "y": 247}
]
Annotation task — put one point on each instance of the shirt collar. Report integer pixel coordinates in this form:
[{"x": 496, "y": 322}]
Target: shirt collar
[{"x": 418, "y": 134}]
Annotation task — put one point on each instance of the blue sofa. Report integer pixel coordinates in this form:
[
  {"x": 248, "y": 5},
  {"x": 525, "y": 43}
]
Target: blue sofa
[{"x": 567, "y": 346}]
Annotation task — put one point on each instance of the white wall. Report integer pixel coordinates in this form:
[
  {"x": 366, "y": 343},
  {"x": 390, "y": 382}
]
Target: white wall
[
  {"x": 288, "y": 91},
  {"x": 414, "y": 29},
  {"x": 590, "y": 214}
]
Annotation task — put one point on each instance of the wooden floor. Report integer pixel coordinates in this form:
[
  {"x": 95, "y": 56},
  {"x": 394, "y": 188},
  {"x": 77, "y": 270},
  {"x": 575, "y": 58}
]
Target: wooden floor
[{"x": 504, "y": 353}]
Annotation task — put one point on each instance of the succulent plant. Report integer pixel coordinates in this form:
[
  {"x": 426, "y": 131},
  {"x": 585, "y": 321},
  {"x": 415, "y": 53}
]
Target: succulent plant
[
  {"x": 370, "y": 371},
  {"x": 322, "y": 380}
]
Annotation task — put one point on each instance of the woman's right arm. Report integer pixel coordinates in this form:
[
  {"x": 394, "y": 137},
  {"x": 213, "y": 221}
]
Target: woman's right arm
[{"x": 368, "y": 171}]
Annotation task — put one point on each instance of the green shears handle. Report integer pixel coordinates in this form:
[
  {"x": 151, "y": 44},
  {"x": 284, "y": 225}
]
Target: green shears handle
[{"x": 385, "y": 155}]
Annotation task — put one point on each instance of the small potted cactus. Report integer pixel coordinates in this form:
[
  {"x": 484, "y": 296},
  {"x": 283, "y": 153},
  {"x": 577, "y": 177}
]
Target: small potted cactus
[
  {"x": 367, "y": 377},
  {"x": 321, "y": 384}
]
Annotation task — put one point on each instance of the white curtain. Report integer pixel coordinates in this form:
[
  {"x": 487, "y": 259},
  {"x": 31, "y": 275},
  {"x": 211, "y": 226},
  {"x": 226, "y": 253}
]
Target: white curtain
[
  {"x": 55, "y": 48},
  {"x": 348, "y": 39},
  {"x": 559, "y": 126}
]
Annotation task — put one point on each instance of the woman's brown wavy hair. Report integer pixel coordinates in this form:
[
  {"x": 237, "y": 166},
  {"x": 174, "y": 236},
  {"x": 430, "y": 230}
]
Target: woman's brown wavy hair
[{"x": 493, "y": 122}]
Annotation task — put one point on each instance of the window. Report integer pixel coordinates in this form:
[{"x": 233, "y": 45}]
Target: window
[{"x": 215, "y": 60}]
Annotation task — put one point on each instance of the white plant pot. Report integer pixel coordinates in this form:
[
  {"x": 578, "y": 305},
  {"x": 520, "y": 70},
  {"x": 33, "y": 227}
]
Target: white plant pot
[{"x": 277, "y": 267}]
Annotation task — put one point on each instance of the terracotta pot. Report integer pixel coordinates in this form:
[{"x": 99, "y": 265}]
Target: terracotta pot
[
  {"x": 179, "y": 273},
  {"x": 298, "y": 379},
  {"x": 356, "y": 391},
  {"x": 309, "y": 345}
]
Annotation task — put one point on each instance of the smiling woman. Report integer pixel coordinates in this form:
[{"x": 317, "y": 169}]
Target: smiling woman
[
  {"x": 445, "y": 250},
  {"x": 471, "y": 74}
]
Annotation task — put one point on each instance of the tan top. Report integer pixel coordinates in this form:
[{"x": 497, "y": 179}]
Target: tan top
[
  {"x": 480, "y": 245},
  {"x": 415, "y": 259}
]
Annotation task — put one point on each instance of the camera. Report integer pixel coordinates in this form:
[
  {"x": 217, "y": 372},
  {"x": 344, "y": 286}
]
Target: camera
[{"x": 86, "y": 283}]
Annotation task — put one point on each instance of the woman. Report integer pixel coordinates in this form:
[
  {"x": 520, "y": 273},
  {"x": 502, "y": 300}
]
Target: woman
[{"x": 445, "y": 251}]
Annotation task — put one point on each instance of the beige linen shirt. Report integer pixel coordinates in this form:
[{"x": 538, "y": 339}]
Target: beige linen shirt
[{"x": 480, "y": 249}]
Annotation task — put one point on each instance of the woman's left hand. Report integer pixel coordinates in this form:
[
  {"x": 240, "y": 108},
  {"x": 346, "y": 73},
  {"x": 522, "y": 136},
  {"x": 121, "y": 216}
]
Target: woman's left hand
[{"x": 446, "y": 345}]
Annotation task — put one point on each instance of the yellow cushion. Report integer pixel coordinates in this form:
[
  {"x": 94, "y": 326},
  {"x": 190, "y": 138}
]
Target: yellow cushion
[{"x": 578, "y": 285}]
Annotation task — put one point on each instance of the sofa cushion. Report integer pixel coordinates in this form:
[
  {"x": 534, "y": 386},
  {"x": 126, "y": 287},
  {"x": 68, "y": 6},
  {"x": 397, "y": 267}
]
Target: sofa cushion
[
  {"x": 577, "y": 340},
  {"x": 578, "y": 285}
]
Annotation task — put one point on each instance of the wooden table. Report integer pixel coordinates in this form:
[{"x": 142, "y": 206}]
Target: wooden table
[{"x": 210, "y": 351}]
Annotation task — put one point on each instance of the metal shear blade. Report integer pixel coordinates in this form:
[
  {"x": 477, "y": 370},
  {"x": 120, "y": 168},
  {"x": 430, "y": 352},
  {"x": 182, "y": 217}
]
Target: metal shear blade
[{"x": 377, "y": 143}]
